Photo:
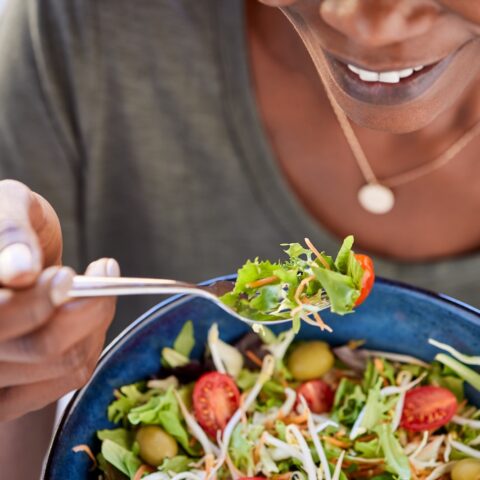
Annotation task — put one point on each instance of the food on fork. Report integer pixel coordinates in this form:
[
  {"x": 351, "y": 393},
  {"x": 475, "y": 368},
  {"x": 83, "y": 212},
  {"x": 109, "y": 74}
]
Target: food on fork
[{"x": 300, "y": 287}]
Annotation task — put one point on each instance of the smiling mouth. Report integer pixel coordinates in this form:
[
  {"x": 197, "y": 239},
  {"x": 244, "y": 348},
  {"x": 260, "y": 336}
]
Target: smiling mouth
[{"x": 386, "y": 87}]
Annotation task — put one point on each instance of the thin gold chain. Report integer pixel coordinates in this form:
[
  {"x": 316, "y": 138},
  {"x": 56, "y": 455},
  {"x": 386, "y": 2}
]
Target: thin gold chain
[{"x": 352, "y": 139}]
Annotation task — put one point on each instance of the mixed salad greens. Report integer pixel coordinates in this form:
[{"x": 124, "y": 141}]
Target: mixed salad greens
[
  {"x": 269, "y": 407},
  {"x": 303, "y": 285}
]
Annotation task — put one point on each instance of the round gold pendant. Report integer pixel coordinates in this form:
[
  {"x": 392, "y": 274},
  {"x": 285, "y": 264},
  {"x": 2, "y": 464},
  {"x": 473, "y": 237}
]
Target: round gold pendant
[{"x": 376, "y": 198}]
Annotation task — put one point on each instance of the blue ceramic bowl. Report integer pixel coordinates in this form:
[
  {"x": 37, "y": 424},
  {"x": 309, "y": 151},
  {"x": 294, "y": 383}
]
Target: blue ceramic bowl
[{"x": 395, "y": 317}]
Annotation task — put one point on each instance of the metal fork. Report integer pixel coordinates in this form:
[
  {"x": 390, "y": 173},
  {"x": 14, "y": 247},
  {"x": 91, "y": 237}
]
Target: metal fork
[{"x": 84, "y": 286}]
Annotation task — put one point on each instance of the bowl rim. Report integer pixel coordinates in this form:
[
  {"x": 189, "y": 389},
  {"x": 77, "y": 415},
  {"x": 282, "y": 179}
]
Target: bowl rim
[{"x": 175, "y": 300}]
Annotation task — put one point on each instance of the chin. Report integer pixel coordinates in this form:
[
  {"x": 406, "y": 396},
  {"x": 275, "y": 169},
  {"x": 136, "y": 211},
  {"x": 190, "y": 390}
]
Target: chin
[{"x": 391, "y": 120}]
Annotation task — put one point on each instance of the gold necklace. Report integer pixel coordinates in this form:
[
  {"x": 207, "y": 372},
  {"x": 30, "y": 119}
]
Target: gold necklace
[{"x": 375, "y": 196}]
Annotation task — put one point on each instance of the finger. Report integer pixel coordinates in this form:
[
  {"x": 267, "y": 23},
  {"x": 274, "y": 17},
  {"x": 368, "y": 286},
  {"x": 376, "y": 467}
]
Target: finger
[
  {"x": 27, "y": 310},
  {"x": 72, "y": 323},
  {"x": 86, "y": 352},
  {"x": 17, "y": 401},
  {"x": 20, "y": 252}
]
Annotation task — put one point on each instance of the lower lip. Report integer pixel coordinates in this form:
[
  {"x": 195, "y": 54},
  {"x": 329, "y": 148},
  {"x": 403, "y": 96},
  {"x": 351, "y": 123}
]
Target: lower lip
[{"x": 379, "y": 93}]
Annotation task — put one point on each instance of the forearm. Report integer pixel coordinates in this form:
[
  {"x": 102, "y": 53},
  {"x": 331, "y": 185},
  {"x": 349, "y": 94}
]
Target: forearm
[{"x": 24, "y": 443}]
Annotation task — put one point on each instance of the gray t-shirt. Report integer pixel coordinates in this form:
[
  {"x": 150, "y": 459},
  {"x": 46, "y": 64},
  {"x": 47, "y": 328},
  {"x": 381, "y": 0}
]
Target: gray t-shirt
[{"x": 136, "y": 119}]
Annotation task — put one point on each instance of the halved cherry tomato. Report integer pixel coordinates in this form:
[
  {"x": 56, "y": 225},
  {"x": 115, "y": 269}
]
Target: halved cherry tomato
[
  {"x": 368, "y": 276},
  {"x": 428, "y": 408},
  {"x": 318, "y": 395},
  {"x": 215, "y": 400}
]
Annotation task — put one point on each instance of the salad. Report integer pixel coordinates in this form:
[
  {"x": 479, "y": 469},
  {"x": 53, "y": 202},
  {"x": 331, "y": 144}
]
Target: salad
[
  {"x": 303, "y": 285},
  {"x": 269, "y": 407}
]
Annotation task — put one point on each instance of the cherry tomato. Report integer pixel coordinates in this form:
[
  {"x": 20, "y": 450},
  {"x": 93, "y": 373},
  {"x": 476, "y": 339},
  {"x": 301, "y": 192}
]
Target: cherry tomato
[
  {"x": 318, "y": 395},
  {"x": 428, "y": 408},
  {"x": 215, "y": 400},
  {"x": 368, "y": 276}
]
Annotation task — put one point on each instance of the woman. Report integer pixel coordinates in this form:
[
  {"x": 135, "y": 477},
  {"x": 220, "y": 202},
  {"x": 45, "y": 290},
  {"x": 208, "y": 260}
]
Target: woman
[{"x": 183, "y": 137}]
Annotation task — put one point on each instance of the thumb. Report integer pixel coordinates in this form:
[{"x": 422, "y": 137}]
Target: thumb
[
  {"x": 104, "y": 267},
  {"x": 20, "y": 252}
]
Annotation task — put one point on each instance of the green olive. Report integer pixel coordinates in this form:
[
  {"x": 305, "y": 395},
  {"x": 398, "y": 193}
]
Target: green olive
[
  {"x": 468, "y": 469},
  {"x": 310, "y": 360},
  {"x": 155, "y": 445}
]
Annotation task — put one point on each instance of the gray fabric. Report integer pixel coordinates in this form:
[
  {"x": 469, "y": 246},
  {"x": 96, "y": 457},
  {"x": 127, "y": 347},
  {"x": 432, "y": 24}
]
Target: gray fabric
[{"x": 137, "y": 121}]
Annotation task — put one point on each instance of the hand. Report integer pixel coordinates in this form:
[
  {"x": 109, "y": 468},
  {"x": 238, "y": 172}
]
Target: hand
[{"x": 47, "y": 347}]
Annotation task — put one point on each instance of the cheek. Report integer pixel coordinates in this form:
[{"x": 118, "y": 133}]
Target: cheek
[{"x": 468, "y": 9}]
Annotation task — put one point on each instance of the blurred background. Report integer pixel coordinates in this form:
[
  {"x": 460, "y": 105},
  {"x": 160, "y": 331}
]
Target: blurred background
[{"x": 2, "y": 4}]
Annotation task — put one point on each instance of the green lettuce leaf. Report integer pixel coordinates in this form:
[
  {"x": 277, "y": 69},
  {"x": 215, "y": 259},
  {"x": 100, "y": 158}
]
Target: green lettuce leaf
[
  {"x": 185, "y": 340},
  {"x": 120, "y": 436},
  {"x": 341, "y": 289},
  {"x": 243, "y": 441},
  {"x": 374, "y": 408},
  {"x": 369, "y": 449},
  {"x": 464, "y": 372},
  {"x": 171, "y": 358},
  {"x": 129, "y": 397},
  {"x": 120, "y": 458},
  {"x": 441, "y": 376},
  {"x": 343, "y": 257},
  {"x": 395, "y": 457},
  {"x": 177, "y": 464},
  {"x": 348, "y": 403},
  {"x": 370, "y": 376},
  {"x": 163, "y": 410}
]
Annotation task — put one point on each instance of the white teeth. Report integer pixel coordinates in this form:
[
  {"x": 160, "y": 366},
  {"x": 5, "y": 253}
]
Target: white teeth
[
  {"x": 384, "y": 77},
  {"x": 389, "y": 77},
  {"x": 367, "y": 76},
  {"x": 406, "y": 73}
]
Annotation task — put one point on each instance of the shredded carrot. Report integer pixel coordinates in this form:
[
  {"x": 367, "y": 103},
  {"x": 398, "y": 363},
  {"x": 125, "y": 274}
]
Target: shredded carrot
[
  {"x": 142, "y": 470},
  {"x": 262, "y": 282},
  {"x": 321, "y": 323},
  {"x": 256, "y": 450},
  {"x": 86, "y": 449},
  {"x": 243, "y": 396},
  {"x": 282, "y": 476},
  {"x": 283, "y": 382},
  {"x": 301, "y": 288},
  {"x": 362, "y": 474},
  {"x": 209, "y": 463},
  {"x": 254, "y": 358},
  {"x": 297, "y": 419},
  {"x": 317, "y": 254},
  {"x": 335, "y": 442},
  {"x": 354, "y": 344},
  {"x": 366, "y": 438},
  {"x": 378, "y": 363}
]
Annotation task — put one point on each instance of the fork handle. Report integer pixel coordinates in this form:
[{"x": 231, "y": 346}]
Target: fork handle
[{"x": 84, "y": 286}]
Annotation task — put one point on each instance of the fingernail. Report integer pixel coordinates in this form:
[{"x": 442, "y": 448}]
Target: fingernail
[
  {"x": 113, "y": 268},
  {"x": 16, "y": 260},
  {"x": 61, "y": 284}
]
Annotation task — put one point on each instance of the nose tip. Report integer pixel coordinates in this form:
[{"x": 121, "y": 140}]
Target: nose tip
[{"x": 378, "y": 23}]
